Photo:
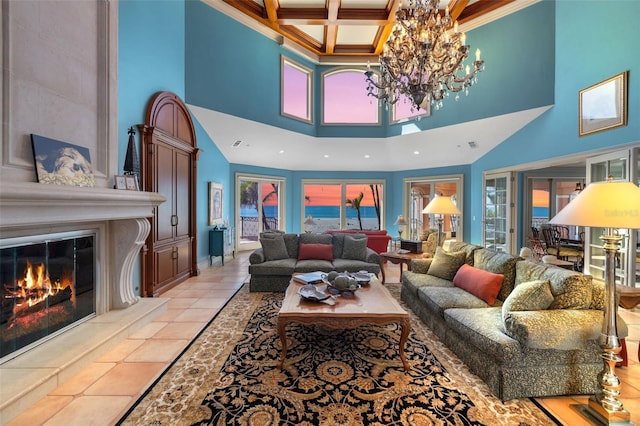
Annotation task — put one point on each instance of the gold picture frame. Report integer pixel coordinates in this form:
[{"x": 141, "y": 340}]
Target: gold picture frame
[
  {"x": 215, "y": 203},
  {"x": 603, "y": 106}
]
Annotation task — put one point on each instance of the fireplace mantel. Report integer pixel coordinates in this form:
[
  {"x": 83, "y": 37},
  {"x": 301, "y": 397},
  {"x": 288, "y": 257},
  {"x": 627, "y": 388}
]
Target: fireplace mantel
[
  {"x": 33, "y": 208},
  {"x": 29, "y": 204}
]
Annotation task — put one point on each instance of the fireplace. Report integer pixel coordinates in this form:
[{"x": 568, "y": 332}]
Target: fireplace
[{"x": 47, "y": 284}]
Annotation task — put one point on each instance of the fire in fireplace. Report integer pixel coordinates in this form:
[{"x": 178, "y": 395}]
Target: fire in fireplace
[{"x": 47, "y": 285}]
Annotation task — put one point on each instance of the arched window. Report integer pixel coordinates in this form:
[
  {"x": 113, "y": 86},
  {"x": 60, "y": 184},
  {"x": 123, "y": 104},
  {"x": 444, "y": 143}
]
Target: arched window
[{"x": 345, "y": 100}]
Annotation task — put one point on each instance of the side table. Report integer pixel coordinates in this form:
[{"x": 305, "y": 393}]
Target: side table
[
  {"x": 397, "y": 258},
  {"x": 629, "y": 299}
]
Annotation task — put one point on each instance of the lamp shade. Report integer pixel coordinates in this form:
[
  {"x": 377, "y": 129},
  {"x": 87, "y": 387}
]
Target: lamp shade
[
  {"x": 441, "y": 205},
  {"x": 400, "y": 221},
  {"x": 603, "y": 205}
]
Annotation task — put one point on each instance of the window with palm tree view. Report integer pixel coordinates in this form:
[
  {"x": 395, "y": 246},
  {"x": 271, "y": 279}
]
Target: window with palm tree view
[{"x": 348, "y": 205}]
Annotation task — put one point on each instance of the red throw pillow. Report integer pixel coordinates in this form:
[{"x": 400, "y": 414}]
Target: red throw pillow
[
  {"x": 483, "y": 284},
  {"x": 315, "y": 252}
]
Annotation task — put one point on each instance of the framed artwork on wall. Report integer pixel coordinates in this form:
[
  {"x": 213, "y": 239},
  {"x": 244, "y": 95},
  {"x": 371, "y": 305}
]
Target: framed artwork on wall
[
  {"x": 215, "y": 204},
  {"x": 603, "y": 106}
]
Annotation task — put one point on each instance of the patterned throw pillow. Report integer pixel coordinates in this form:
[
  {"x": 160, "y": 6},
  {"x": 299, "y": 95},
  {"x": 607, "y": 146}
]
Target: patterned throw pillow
[
  {"x": 355, "y": 247},
  {"x": 530, "y": 296},
  {"x": 274, "y": 247},
  {"x": 445, "y": 264}
]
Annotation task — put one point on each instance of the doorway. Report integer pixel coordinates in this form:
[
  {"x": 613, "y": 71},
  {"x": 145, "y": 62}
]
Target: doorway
[{"x": 259, "y": 208}]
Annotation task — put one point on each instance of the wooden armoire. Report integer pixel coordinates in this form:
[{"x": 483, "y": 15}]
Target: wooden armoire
[{"x": 168, "y": 166}]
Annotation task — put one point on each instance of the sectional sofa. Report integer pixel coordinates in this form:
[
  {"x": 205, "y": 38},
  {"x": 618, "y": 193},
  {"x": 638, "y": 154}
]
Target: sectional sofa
[
  {"x": 527, "y": 329},
  {"x": 281, "y": 255}
]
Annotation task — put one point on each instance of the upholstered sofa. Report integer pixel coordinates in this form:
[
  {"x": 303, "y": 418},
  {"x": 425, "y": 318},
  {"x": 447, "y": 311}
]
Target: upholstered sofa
[
  {"x": 377, "y": 241},
  {"x": 527, "y": 329},
  {"x": 281, "y": 255}
]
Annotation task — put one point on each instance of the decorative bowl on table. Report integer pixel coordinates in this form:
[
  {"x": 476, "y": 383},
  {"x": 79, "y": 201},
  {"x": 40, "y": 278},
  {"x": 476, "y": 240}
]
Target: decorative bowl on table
[
  {"x": 311, "y": 293},
  {"x": 363, "y": 277},
  {"x": 341, "y": 283}
]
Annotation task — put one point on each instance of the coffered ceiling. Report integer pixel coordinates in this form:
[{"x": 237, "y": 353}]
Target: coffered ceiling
[{"x": 350, "y": 30}]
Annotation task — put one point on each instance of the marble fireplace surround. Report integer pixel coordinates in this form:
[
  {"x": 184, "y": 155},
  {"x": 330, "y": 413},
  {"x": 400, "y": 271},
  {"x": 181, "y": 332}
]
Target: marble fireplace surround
[{"x": 119, "y": 219}]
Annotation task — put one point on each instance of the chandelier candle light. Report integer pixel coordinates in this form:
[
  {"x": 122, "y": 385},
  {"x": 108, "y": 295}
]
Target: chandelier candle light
[
  {"x": 423, "y": 58},
  {"x": 613, "y": 206}
]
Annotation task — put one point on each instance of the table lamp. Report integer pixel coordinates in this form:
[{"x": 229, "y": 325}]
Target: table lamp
[
  {"x": 609, "y": 205},
  {"x": 440, "y": 205},
  {"x": 400, "y": 222}
]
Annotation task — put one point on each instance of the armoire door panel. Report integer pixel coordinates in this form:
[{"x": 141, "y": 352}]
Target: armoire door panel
[
  {"x": 165, "y": 264},
  {"x": 164, "y": 162},
  {"x": 182, "y": 185},
  {"x": 183, "y": 257}
]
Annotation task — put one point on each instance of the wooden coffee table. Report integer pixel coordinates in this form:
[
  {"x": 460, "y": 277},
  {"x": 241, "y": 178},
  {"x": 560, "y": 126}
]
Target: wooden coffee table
[
  {"x": 395, "y": 258},
  {"x": 372, "y": 304}
]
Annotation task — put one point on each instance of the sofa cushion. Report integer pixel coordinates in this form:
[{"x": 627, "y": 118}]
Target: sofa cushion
[
  {"x": 312, "y": 238},
  {"x": 482, "y": 284},
  {"x": 563, "y": 329},
  {"x": 312, "y": 251},
  {"x": 274, "y": 247},
  {"x": 468, "y": 248},
  {"x": 312, "y": 265},
  {"x": 445, "y": 264},
  {"x": 439, "y": 299},
  {"x": 274, "y": 267},
  {"x": 351, "y": 265},
  {"x": 291, "y": 241},
  {"x": 570, "y": 289},
  {"x": 483, "y": 329},
  {"x": 355, "y": 247},
  {"x": 529, "y": 296},
  {"x": 498, "y": 263}
]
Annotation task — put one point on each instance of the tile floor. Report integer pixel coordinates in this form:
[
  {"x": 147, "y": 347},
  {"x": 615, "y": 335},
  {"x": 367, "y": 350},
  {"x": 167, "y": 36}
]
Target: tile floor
[{"x": 111, "y": 384}]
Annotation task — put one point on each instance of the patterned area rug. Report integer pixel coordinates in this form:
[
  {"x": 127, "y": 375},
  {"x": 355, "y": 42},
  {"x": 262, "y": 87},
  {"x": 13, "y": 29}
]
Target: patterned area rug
[{"x": 228, "y": 376}]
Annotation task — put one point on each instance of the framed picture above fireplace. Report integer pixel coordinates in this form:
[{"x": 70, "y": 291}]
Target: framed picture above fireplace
[{"x": 61, "y": 163}]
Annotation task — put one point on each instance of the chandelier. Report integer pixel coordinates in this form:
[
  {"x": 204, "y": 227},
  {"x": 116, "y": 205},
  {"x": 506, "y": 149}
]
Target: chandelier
[{"x": 423, "y": 58}]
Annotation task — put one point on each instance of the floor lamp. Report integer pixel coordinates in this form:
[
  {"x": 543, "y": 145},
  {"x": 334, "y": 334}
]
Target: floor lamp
[
  {"x": 400, "y": 222},
  {"x": 441, "y": 205},
  {"x": 609, "y": 205}
]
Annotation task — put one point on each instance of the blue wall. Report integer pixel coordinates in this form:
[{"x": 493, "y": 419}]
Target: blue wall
[
  {"x": 242, "y": 75},
  {"x": 534, "y": 57},
  {"x": 593, "y": 42}
]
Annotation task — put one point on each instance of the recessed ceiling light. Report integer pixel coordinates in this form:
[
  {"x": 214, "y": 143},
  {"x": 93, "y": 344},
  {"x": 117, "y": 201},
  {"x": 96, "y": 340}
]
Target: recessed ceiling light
[
  {"x": 326, "y": 156},
  {"x": 416, "y": 152},
  {"x": 281, "y": 151},
  {"x": 367, "y": 156}
]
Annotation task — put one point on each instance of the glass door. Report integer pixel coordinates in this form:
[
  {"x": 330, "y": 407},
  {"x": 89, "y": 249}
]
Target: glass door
[
  {"x": 419, "y": 191},
  {"x": 498, "y": 212},
  {"x": 259, "y": 208},
  {"x": 620, "y": 166}
]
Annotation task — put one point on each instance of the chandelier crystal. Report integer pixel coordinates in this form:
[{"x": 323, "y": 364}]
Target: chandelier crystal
[{"x": 423, "y": 58}]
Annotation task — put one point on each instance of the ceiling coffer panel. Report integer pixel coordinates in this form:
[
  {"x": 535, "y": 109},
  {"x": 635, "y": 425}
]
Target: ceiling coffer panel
[{"x": 341, "y": 28}]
